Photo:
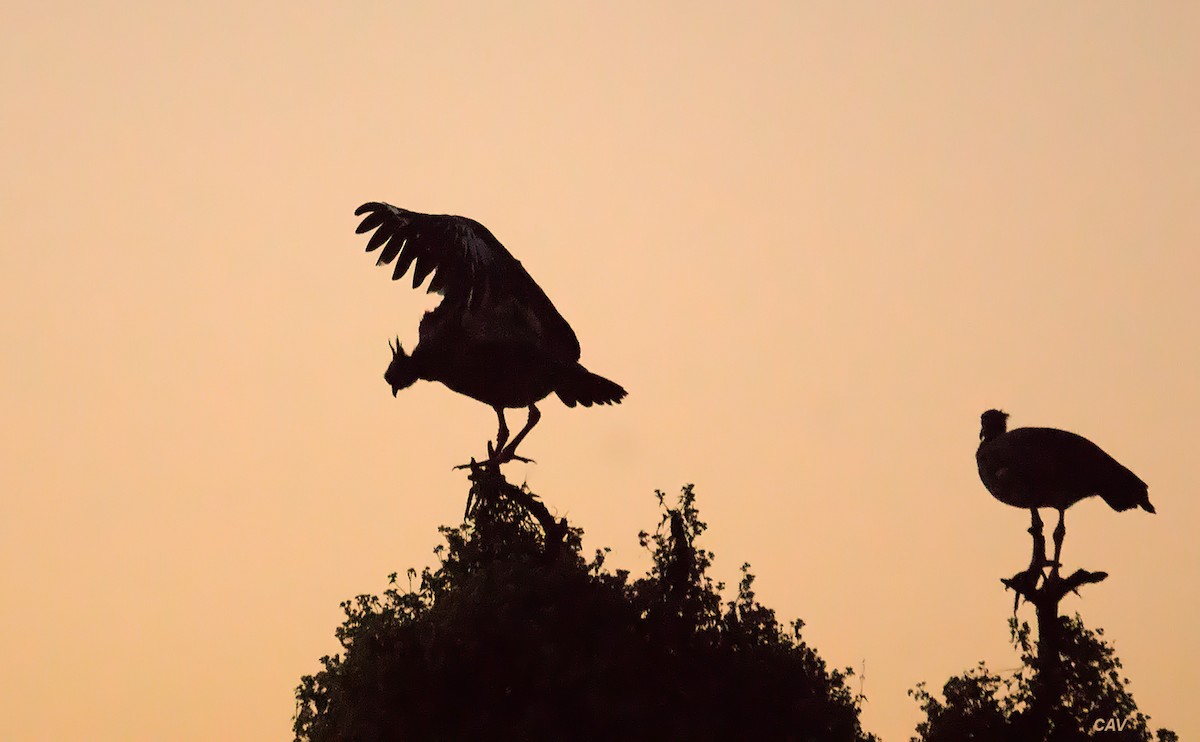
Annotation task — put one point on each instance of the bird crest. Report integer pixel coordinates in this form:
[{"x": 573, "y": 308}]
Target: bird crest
[
  {"x": 401, "y": 372},
  {"x": 992, "y": 424}
]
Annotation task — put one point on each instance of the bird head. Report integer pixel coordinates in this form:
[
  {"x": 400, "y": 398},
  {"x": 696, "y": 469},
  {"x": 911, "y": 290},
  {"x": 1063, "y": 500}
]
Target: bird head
[
  {"x": 992, "y": 424},
  {"x": 401, "y": 372}
]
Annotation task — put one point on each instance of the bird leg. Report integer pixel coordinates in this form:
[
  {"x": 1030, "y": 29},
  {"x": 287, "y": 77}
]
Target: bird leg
[
  {"x": 501, "y": 438},
  {"x": 1037, "y": 529},
  {"x": 501, "y": 435},
  {"x": 506, "y": 454},
  {"x": 1025, "y": 582},
  {"x": 499, "y": 454},
  {"x": 1059, "y": 532}
]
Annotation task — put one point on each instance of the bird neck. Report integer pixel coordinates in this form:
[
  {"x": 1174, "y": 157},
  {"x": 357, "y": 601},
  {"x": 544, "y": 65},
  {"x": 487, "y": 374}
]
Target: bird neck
[{"x": 990, "y": 433}]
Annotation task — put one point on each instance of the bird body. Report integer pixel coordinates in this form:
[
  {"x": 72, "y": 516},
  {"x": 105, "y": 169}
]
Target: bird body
[
  {"x": 495, "y": 337},
  {"x": 1051, "y": 468},
  {"x": 505, "y": 374}
]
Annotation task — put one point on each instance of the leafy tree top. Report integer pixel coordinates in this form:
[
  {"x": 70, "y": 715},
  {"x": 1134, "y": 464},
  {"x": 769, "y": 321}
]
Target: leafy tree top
[
  {"x": 986, "y": 706},
  {"x": 516, "y": 635}
]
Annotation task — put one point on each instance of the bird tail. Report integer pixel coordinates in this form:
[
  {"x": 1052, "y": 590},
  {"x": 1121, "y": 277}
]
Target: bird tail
[
  {"x": 1126, "y": 498},
  {"x": 580, "y": 386}
]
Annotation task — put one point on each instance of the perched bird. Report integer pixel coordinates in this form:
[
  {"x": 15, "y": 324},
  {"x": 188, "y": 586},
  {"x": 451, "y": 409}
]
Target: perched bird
[
  {"x": 495, "y": 337},
  {"x": 1048, "y": 468}
]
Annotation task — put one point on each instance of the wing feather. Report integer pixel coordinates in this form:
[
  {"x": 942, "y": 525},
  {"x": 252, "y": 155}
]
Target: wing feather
[
  {"x": 421, "y": 270},
  {"x": 402, "y": 264},
  {"x": 438, "y": 282},
  {"x": 468, "y": 264},
  {"x": 373, "y": 220},
  {"x": 378, "y": 239}
]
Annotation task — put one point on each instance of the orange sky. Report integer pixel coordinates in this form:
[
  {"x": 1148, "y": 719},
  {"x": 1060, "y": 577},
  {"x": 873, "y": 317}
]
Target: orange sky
[{"x": 814, "y": 241}]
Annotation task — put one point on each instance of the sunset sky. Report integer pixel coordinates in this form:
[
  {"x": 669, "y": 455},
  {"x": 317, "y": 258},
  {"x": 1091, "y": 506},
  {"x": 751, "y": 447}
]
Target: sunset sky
[{"x": 813, "y": 240}]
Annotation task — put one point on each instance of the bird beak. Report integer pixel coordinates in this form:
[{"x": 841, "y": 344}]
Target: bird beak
[{"x": 394, "y": 390}]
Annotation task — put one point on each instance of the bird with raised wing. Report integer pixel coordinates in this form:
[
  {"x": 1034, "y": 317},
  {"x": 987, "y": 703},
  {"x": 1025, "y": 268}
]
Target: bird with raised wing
[
  {"x": 495, "y": 336},
  {"x": 1049, "y": 468}
]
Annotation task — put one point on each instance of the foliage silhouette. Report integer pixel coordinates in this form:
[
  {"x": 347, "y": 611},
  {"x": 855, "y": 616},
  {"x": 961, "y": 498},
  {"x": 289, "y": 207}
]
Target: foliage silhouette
[
  {"x": 515, "y": 637},
  {"x": 985, "y": 706}
]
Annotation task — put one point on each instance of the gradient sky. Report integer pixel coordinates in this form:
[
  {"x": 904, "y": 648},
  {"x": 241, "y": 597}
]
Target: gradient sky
[{"x": 814, "y": 241}]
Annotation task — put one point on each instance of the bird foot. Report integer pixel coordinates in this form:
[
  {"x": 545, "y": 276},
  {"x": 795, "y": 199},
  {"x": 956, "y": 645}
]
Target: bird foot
[
  {"x": 504, "y": 457},
  {"x": 494, "y": 460},
  {"x": 473, "y": 464},
  {"x": 1050, "y": 564}
]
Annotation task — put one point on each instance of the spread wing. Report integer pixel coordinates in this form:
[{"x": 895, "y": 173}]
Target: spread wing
[{"x": 469, "y": 266}]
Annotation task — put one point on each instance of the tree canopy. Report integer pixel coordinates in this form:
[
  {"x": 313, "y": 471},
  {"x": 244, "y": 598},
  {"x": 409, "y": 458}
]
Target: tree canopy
[
  {"x": 986, "y": 706},
  {"x": 517, "y": 634}
]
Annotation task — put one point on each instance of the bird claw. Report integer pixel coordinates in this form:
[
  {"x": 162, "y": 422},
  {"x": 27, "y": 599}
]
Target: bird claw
[
  {"x": 494, "y": 459},
  {"x": 503, "y": 457}
]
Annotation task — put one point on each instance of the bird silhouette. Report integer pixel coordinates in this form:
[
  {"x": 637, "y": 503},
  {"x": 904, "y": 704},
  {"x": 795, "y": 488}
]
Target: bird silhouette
[
  {"x": 495, "y": 336},
  {"x": 1049, "y": 468}
]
